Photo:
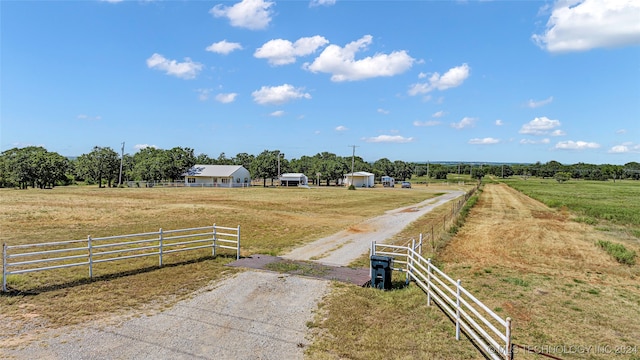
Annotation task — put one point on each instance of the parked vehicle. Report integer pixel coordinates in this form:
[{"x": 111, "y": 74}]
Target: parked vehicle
[{"x": 406, "y": 185}]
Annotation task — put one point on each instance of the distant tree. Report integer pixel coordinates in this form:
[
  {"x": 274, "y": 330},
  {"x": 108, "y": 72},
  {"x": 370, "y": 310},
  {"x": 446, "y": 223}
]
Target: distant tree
[
  {"x": 204, "y": 159},
  {"x": 265, "y": 166},
  {"x": 402, "y": 170},
  {"x": 383, "y": 167},
  {"x": 102, "y": 163},
  {"x": 562, "y": 176},
  {"x": 32, "y": 166},
  {"x": 477, "y": 173},
  {"x": 177, "y": 161},
  {"x": 243, "y": 159}
]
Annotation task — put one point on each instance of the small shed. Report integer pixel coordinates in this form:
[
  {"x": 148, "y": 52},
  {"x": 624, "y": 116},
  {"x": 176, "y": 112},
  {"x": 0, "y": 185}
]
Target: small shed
[
  {"x": 359, "y": 179},
  {"x": 293, "y": 179},
  {"x": 217, "y": 176}
]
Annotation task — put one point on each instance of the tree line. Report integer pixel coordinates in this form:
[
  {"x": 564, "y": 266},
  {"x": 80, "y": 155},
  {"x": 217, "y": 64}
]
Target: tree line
[{"x": 34, "y": 166}]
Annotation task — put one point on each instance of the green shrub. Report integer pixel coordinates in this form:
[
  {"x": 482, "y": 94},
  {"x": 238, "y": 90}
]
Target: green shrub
[
  {"x": 352, "y": 187},
  {"x": 619, "y": 252}
]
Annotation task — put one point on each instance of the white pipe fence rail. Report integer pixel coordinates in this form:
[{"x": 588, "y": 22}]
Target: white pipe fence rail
[
  {"x": 491, "y": 333},
  {"x": 26, "y": 258}
]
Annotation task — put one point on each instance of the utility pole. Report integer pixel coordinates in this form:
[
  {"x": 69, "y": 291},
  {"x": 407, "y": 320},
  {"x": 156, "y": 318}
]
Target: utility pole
[
  {"x": 353, "y": 161},
  {"x": 121, "y": 160}
]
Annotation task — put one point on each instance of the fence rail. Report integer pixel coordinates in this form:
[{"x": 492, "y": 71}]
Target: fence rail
[
  {"x": 88, "y": 252},
  {"x": 491, "y": 333}
]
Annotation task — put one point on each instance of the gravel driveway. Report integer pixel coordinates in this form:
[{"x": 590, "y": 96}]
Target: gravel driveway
[{"x": 252, "y": 315}]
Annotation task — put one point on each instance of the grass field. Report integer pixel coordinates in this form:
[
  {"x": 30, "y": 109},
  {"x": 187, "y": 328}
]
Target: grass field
[
  {"x": 272, "y": 220},
  {"x": 609, "y": 205},
  {"x": 534, "y": 264},
  {"x": 525, "y": 261}
]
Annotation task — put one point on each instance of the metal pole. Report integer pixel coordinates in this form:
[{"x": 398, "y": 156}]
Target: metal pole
[
  {"x": 90, "y": 247},
  {"x": 160, "y": 245},
  {"x": 215, "y": 240},
  {"x": 121, "y": 160},
  {"x": 429, "y": 282},
  {"x": 458, "y": 310},
  {"x": 4, "y": 267},
  {"x": 509, "y": 349},
  {"x": 238, "y": 252}
]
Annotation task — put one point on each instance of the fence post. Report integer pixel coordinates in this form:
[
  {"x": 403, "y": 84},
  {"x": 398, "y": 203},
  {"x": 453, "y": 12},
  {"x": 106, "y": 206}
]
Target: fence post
[
  {"x": 429, "y": 282},
  {"x": 238, "y": 252},
  {"x": 410, "y": 260},
  {"x": 160, "y": 245},
  {"x": 458, "y": 310},
  {"x": 509, "y": 349},
  {"x": 371, "y": 253},
  {"x": 420, "y": 245},
  {"x": 4, "y": 267},
  {"x": 90, "y": 247},
  {"x": 215, "y": 239}
]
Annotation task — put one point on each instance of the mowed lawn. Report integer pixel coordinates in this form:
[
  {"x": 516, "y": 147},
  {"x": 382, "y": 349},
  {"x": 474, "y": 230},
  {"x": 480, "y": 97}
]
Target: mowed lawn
[{"x": 272, "y": 221}]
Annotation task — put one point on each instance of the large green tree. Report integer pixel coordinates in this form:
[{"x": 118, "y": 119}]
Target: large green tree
[{"x": 102, "y": 163}]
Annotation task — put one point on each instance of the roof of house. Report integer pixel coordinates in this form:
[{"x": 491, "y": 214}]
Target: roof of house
[
  {"x": 360, "y": 173},
  {"x": 292, "y": 175},
  {"x": 213, "y": 170}
]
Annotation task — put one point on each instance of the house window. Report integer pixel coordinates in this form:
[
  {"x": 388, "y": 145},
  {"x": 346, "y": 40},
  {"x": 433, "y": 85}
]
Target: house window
[
  {"x": 191, "y": 180},
  {"x": 225, "y": 180}
]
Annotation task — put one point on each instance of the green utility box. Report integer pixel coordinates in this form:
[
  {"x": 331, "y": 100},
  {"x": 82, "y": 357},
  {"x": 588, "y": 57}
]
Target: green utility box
[{"x": 381, "y": 267}]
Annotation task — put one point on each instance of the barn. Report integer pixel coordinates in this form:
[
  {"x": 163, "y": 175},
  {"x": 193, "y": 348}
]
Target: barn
[
  {"x": 359, "y": 179},
  {"x": 217, "y": 176},
  {"x": 293, "y": 179}
]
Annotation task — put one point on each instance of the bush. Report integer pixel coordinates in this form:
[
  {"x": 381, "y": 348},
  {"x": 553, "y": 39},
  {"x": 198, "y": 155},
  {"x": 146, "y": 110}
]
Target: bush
[
  {"x": 352, "y": 187},
  {"x": 619, "y": 252}
]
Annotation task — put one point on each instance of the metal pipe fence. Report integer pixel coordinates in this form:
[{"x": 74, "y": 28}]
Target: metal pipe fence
[
  {"x": 26, "y": 258},
  {"x": 491, "y": 333}
]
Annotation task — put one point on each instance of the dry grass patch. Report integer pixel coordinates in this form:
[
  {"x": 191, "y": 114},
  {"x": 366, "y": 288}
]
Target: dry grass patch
[
  {"x": 533, "y": 264},
  {"x": 272, "y": 221}
]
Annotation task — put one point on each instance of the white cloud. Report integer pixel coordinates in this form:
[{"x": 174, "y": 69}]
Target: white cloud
[
  {"x": 621, "y": 131},
  {"x": 143, "y": 146},
  {"x": 499, "y": 122},
  {"x": 529, "y": 141},
  {"x": 535, "y": 104},
  {"x": 383, "y": 111},
  {"x": 580, "y": 25},
  {"x": 454, "y": 77},
  {"x": 184, "y": 70},
  {"x": 464, "y": 123},
  {"x": 539, "y": 126},
  {"x": 558, "y": 133},
  {"x": 282, "y": 52},
  {"x": 342, "y": 65},
  {"x": 314, "y": 3},
  {"x": 576, "y": 145},
  {"x": 223, "y": 47},
  {"x": 438, "y": 114},
  {"x": 277, "y": 113},
  {"x": 226, "y": 98},
  {"x": 203, "y": 94},
  {"x": 112, "y": 1},
  {"x": 398, "y": 139},
  {"x": 249, "y": 14},
  {"x": 341, "y": 128},
  {"x": 625, "y": 148},
  {"x": 484, "y": 141},
  {"x": 426, "y": 123},
  {"x": 278, "y": 94}
]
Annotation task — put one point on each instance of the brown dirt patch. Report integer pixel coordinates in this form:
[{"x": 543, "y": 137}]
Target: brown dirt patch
[{"x": 360, "y": 228}]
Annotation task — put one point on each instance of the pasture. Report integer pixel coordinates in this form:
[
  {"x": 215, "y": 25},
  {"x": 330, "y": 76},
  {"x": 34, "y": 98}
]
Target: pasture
[{"x": 272, "y": 221}]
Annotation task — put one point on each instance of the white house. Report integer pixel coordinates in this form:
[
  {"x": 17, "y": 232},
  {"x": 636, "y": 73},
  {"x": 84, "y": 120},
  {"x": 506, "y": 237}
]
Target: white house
[
  {"x": 359, "y": 179},
  {"x": 293, "y": 179},
  {"x": 217, "y": 176}
]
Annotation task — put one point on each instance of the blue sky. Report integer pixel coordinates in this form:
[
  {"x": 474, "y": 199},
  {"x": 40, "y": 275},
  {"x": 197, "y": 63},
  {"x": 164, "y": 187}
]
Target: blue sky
[{"x": 488, "y": 81}]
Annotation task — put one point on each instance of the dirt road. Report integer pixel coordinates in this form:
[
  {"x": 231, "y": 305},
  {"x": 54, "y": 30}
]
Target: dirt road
[{"x": 253, "y": 315}]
